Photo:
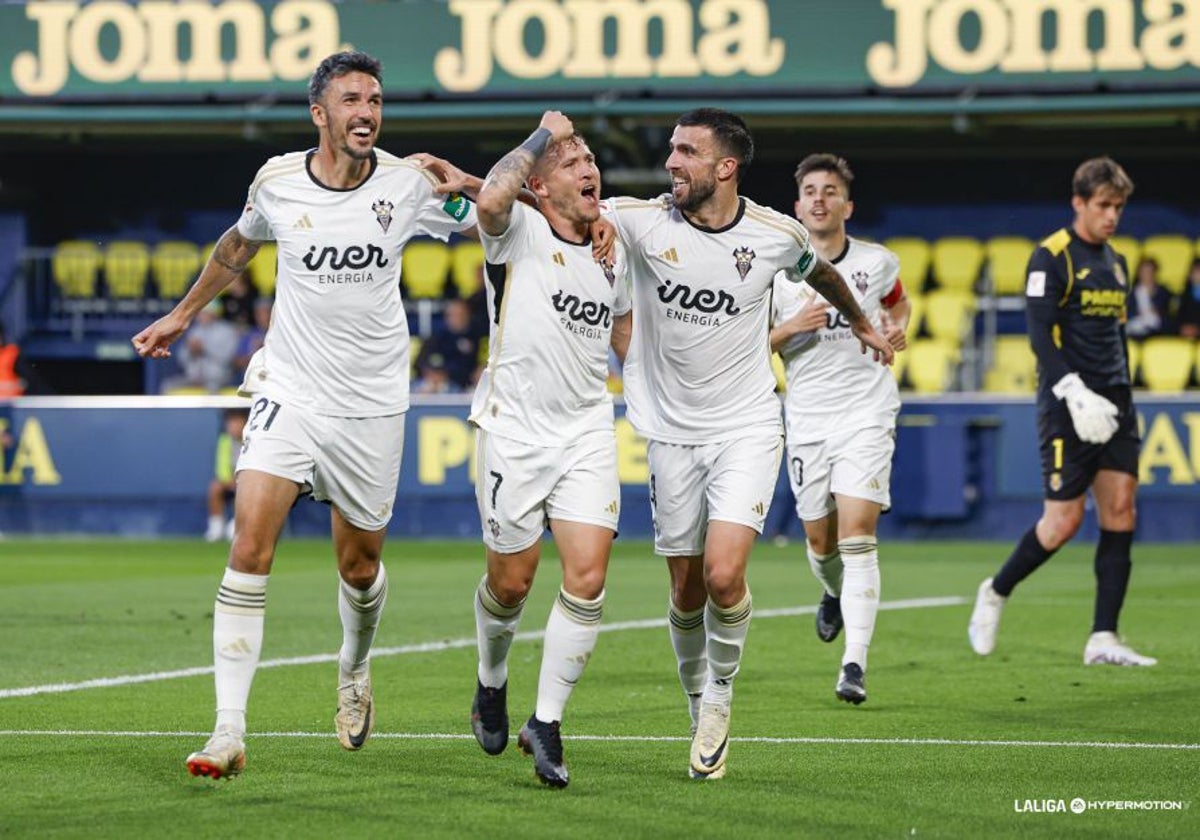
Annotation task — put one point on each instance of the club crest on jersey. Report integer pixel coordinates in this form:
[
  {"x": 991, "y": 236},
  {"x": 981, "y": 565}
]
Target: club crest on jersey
[
  {"x": 609, "y": 274},
  {"x": 860, "y": 281},
  {"x": 1119, "y": 274},
  {"x": 743, "y": 257},
  {"x": 383, "y": 213}
]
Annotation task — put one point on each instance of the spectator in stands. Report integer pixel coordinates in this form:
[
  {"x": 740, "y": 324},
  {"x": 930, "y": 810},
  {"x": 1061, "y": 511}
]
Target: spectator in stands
[
  {"x": 1187, "y": 305},
  {"x": 237, "y": 304},
  {"x": 221, "y": 488},
  {"x": 433, "y": 377},
  {"x": 11, "y": 383},
  {"x": 456, "y": 344},
  {"x": 207, "y": 354},
  {"x": 1149, "y": 303},
  {"x": 1087, "y": 422},
  {"x": 253, "y": 339}
]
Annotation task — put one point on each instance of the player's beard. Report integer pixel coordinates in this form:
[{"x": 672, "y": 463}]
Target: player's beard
[
  {"x": 356, "y": 152},
  {"x": 698, "y": 192}
]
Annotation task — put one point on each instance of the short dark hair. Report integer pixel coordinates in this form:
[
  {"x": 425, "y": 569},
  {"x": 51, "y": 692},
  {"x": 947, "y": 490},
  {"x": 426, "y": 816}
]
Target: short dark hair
[
  {"x": 826, "y": 162},
  {"x": 338, "y": 65},
  {"x": 729, "y": 129},
  {"x": 1101, "y": 172}
]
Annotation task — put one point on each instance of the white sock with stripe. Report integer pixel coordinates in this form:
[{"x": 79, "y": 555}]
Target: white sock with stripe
[
  {"x": 860, "y": 595},
  {"x": 359, "y": 610},
  {"x": 827, "y": 568},
  {"x": 727, "y": 628},
  {"x": 689, "y": 641},
  {"x": 571, "y": 635},
  {"x": 237, "y": 643},
  {"x": 495, "y": 626}
]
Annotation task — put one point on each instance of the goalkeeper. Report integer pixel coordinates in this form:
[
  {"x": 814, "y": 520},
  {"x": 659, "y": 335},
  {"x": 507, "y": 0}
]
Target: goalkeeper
[{"x": 1087, "y": 426}]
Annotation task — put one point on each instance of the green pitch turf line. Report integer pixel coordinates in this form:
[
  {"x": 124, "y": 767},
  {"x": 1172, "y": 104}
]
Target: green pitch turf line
[
  {"x": 431, "y": 647},
  {"x": 628, "y": 739}
]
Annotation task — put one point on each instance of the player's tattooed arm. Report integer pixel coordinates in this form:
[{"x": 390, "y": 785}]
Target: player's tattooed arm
[
  {"x": 228, "y": 260},
  {"x": 503, "y": 184},
  {"x": 831, "y": 286}
]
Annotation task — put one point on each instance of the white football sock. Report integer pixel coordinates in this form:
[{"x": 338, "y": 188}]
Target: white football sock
[
  {"x": 688, "y": 639},
  {"x": 827, "y": 568},
  {"x": 237, "y": 643},
  {"x": 570, "y": 638},
  {"x": 727, "y": 628},
  {"x": 495, "y": 626},
  {"x": 359, "y": 610},
  {"x": 860, "y": 595}
]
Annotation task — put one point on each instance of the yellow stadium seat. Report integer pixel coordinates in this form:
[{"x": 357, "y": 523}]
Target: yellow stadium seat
[
  {"x": 466, "y": 260},
  {"x": 174, "y": 264},
  {"x": 899, "y": 365},
  {"x": 914, "y": 262},
  {"x": 1129, "y": 248},
  {"x": 780, "y": 372},
  {"x": 916, "y": 312},
  {"x": 262, "y": 269},
  {"x": 414, "y": 351},
  {"x": 1133, "y": 352},
  {"x": 1167, "y": 362},
  {"x": 75, "y": 266},
  {"x": 931, "y": 365},
  {"x": 1007, "y": 258},
  {"x": 956, "y": 262},
  {"x": 1174, "y": 254},
  {"x": 424, "y": 269},
  {"x": 126, "y": 268},
  {"x": 949, "y": 315},
  {"x": 1014, "y": 367}
]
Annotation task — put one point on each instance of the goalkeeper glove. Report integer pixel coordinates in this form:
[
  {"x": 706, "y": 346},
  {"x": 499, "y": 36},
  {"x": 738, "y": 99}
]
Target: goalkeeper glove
[{"x": 1094, "y": 417}]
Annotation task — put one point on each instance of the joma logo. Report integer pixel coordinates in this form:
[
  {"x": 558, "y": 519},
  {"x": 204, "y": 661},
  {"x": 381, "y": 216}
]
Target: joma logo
[
  {"x": 703, "y": 300},
  {"x": 354, "y": 257}
]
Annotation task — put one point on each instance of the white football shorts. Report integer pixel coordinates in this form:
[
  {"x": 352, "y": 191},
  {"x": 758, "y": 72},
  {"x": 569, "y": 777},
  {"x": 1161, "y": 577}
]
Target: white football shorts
[
  {"x": 729, "y": 481},
  {"x": 520, "y": 487},
  {"x": 351, "y": 462},
  {"x": 856, "y": 463}
]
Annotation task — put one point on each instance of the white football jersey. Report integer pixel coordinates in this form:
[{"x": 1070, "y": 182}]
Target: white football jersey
[
  {"x": 338, "y": 342},
  {"x": 551, "y": 308},
  {"x": 698, "y": 368},
  {"x": 831, "y": 383}
]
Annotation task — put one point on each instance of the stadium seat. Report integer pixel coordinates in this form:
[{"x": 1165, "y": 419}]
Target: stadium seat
[
  {"x": 75, "y": 266},
  {"x": 1167, "y": 362},
  {"x": 424, "y": 270},
  {"x": 126, "y": 269},
  {"x": 262, "y": 269},
  {"x": 465, "y": 262},
  {"x": 1129, "y": 248},
  {"x": 1014, "y": 367},
  {"x": 1007, "y": 258},
  {"x": 1133, "y": 350},
  {"x": 174, "y": 264},
  {"x": 931, "y": 365},
  {"x": 415, "y": 343},
  {"x": 949, "y": 315},
  {"x": 900, "y": 364},
  {"x": 914, "y": 262},
  {"x": 956, "y": 262},
  {"x": 916, "y": 312},
  {"x": 777, "y": 368},
  {"x": 1174, "y": 254}
]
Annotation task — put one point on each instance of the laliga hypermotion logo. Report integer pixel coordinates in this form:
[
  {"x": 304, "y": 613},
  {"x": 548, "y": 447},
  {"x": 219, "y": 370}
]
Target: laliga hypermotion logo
[
  {"x": 383, "y": 213},
  {"x": 743, "y": 257}
]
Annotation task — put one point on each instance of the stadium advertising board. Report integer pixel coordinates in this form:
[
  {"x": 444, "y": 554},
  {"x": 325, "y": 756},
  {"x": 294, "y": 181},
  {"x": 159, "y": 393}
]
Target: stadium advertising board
[
  {"x": 148, "y": 461},
  {"x": 114, "y": 49}
]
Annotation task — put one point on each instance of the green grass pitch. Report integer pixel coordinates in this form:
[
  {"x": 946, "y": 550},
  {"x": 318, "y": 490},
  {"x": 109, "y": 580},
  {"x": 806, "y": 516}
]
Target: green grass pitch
[{"x": 948, "y": 745}]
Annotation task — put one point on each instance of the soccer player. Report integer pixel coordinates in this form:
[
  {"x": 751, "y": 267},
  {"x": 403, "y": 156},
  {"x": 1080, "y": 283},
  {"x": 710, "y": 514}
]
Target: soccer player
[
  {"x": 699, "y": 387},
  {"x": 1087, "y": 427},
  {"x": 841, "y": 413},
  {"x": 330, "y": 386},
  {"x": 545, "y": 443}
]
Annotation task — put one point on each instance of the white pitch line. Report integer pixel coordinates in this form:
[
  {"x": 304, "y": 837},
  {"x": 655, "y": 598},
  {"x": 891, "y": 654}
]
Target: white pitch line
[
  {"x": 454, "y": 736},
  {"x": 425, "y": 647}
]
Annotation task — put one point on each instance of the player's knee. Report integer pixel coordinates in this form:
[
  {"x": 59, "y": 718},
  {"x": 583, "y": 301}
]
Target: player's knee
[
  {"x": 822, "y": 544},
  {"x": 725, "y": 585},
  {"x": 510, "y": 587},
  {"x": 1060, "y": 527},
  {"x": 250, "y": 555},
  {"x": 585, "y": 583}
]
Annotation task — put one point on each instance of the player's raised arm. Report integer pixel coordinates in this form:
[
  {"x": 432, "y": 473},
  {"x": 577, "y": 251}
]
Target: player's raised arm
[
  {"x": 503, "y": 184},
  {"x": 229, "y": 258},
  {"x": 830, "y": 285}
]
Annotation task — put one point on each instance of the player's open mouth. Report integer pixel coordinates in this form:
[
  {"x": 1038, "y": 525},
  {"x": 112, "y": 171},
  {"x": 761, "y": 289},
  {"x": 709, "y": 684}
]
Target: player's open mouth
[
  {"x": 363, "y": 132},
  {"x": 590, "y": 194}
]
